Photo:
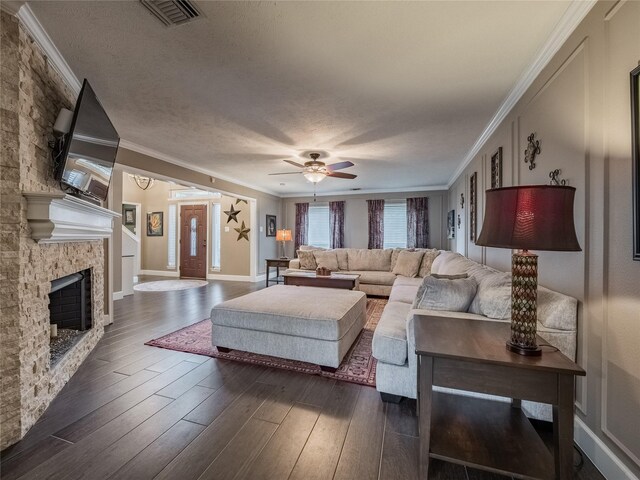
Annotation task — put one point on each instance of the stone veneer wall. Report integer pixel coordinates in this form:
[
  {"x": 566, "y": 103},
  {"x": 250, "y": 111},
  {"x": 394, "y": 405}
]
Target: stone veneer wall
[{"x": 32, "y": 93}]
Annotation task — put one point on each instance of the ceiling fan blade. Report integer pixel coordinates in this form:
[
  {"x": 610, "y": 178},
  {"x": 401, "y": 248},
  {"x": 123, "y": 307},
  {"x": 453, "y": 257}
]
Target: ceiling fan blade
[
  {"x": 286, "y": 173},
  {"x": 339, "y": 166},
  {"x": 349, "y": 176},
  {"x": 295, "y": 164}
]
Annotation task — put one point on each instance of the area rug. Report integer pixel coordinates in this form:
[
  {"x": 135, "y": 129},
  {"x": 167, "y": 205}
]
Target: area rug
[
  {"x": 358, "y": 365},
  {"x": 168, "y": 285}
]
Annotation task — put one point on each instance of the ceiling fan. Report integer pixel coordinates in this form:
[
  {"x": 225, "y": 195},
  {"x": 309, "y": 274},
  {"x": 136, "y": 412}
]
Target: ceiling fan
[{"x": 315, "y": 171}]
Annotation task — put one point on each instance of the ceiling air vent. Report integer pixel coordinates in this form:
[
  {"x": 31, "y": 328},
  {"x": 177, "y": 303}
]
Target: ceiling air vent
[{"x": 173, "y": 12}]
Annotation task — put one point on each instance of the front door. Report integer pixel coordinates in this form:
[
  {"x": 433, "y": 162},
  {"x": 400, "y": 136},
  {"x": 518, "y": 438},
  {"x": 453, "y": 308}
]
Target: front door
[{"x": 193, "y": 241}]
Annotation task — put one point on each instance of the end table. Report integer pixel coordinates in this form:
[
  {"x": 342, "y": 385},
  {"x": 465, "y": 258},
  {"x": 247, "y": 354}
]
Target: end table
[{"x": 278, "y": 263}]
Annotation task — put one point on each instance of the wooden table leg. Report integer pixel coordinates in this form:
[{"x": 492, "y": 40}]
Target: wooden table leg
[
  {"x": 563, "y": 428},
  {"x": 268, "y": 270},
  {"x": 425, "y": 393}
]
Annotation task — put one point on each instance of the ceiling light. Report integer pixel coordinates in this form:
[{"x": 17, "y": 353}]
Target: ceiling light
[{"x": 144, "y": 183}]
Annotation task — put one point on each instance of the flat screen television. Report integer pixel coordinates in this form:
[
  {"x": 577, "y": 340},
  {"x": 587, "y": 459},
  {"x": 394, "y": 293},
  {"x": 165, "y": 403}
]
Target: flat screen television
[{"x": 90, "y": 148}]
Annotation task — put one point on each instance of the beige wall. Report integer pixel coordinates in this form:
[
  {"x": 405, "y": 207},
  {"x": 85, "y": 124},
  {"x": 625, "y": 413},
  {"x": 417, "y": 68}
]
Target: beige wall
[
  {"x": 356, "y": 231},
  {"x": 579, "y": 108},
  {"x": 265, "y": 203},
  {"x": 235, "y": 254}
]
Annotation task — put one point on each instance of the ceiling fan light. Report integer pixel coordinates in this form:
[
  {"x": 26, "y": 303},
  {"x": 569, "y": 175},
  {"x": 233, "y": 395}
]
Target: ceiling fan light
[{"x": 314, "y": 176}]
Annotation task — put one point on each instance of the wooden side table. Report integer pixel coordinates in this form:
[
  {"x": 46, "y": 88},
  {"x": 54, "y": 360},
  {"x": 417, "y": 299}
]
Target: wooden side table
[
  {"x": 278, "y": 263},
  {"x": 495, "y": 436}
]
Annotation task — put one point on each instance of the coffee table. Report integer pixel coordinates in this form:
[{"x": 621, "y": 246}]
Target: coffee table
[
  {"x": 310, "y": 279},
  {"x": 490, "y": 435}
]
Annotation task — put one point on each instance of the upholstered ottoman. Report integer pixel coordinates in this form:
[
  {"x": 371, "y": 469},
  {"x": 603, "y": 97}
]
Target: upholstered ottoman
[{"x": 316, "y": 325}]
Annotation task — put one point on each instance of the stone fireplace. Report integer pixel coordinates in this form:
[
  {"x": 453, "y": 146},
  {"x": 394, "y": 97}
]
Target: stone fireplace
[{"x": 45, "y": 235}]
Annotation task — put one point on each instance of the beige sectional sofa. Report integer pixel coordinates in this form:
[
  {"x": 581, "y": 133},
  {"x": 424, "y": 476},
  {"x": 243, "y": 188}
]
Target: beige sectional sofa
[
  {"x": 375, "y": 267},
  {"x": 393, "y": 341}
]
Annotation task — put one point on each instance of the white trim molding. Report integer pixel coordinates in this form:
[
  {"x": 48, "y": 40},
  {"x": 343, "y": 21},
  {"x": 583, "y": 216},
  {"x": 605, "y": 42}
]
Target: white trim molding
[
  {"x": 236, "y": 278},
  {"x": 425, "y": 188},
  {"x": 600, "y": 455},
  {"x": 160, "y": 273},
  {"x": 58, "y": 217},
  {"x": 42, "y": 38},
  {"x": 118, "y": 296},
  {"x": 572, "y": 17}
]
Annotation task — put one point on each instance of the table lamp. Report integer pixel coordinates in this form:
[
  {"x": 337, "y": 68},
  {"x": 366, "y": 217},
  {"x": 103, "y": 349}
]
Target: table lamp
[
  {"x": 283, "y": 236},
  {"x": 529, "y": 217}
]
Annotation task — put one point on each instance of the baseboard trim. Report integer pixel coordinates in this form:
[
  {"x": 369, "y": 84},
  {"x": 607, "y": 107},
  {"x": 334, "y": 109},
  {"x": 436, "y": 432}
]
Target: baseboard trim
[
  {"x": 160, "y": 273},
  {"x": 230, "y": 278},
  {"x": 118, "y": 296},
  {"x": 600, "y": 455}
]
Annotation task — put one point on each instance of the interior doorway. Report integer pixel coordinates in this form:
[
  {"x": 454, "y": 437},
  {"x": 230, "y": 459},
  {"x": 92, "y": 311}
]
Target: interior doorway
[{"x": 193, "y": 241}]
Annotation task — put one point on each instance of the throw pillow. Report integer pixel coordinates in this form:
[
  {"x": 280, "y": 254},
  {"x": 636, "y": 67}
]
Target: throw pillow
[
  {"x": 427, "y": 261},
  {"x": 307, "y": 260},
  {"x": 493, "y": 298},
  {"x": 443, "y": 294},
  {"x": 327, "y": 259},
  {"x": 408, "y": 263}
]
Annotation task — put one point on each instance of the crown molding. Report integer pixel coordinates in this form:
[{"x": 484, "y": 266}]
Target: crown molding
[
  {"x": 42, "y": 38},
  {"x": 569, "y": 21},
  {"x": 430, "y": 188},
  {"x": 181, "y": 163},
  {"x": 11, "y": 7}
]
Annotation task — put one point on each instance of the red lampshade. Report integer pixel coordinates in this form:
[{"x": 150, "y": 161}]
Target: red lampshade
[{"x": 530, "y": 217}]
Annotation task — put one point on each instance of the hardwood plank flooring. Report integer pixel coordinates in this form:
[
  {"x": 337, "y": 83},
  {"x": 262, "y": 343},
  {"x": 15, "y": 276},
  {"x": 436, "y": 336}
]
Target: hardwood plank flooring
[{"x": 139, "y": 412}]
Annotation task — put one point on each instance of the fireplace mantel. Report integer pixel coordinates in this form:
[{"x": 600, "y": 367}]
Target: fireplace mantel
[{"x": 58, "y": 217}]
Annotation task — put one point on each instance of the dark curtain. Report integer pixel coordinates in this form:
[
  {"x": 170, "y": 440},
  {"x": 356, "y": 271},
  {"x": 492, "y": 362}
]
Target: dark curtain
[
  {"x": 302, "y": 226},
  {"x": 376, "y": 223},
  {"x": 336, "y": 223},
  {"x": 418, "y": 222}
]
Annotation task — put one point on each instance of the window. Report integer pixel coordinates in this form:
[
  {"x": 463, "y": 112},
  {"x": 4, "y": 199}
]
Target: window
[
  {"x": 171, "y": 237},
  {"x": 395, "y": 224},
  {"x": 215, "y": 236},
  {"x": 319, "y": 226},
  {"x": 193, "y": 193}
]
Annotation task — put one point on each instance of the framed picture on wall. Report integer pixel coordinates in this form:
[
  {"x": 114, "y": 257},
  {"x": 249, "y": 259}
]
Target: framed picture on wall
[
  {"x": 451, "y": 224},
  {"x": 271, "y": 225},
  {"x": 635, "y": 156},
  {"x": 496, "y": 169},
  {"x": 473, "y": 202},
  {"x": 155, "y": 224},
  {"x": 128, "y": 215}
]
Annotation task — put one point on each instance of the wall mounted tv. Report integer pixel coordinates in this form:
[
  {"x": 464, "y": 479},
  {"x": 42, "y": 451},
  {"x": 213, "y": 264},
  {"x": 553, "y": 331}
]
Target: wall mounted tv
[{"x": 89, "y": 150}]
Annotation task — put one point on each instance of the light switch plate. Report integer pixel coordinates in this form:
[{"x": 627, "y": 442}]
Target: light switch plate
[
  {"x": 226, "y": 229},
  {"x": 261, "y": 229}
]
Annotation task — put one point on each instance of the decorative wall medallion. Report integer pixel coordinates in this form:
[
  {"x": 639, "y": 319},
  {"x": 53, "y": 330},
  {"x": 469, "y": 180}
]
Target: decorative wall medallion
[
  {"x": 459, "y": 221},
  {"x": 473, "y": 200},
  {"x": 553, "y": 175},
  {"x": 243, "y": 232},
  {"x": 451, "y": 224},
  {"x": 462, "y": 200},
  {"x": 232, "y": 214},
  {"x": 496, "y": 169},
  {"x": 533, "y": 149}
]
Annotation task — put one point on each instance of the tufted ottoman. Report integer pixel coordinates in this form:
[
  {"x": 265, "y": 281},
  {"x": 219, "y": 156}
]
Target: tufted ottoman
[{"x": 315, "y": 325}]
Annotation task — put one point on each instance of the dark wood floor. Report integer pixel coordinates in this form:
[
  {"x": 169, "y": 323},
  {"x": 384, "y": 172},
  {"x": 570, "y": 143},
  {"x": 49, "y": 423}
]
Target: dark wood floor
[{"x": 138, "y": 412}]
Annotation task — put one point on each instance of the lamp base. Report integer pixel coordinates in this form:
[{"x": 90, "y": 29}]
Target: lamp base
[{"x": 526, "y": 351}]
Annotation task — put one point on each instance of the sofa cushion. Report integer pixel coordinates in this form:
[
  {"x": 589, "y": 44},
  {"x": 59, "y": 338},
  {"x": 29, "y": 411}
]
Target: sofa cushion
[
  {"x": 389, "y": 343},
  {"x": 365, "y": 260},
  {"x": 430, "y": 255},
  {"x": 374, "y": 278},
  {"x": 309, "y": 248},
  {"x": 441, "y": 294},
  {"x": 404, "y": 293},
  {"x": 493, "y": 297},
  {"x": 453, "y": 264},
  {"x": 327, "y": 259},
  {"x": 307, "y": 260},
  {"x": 408, "y": 263},
  {"x": 557, "y": 311},
  {"x": 343, "y": 259}
]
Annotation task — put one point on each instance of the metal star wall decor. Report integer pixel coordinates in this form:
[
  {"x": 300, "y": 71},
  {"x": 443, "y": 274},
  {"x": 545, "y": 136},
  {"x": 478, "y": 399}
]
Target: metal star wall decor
[
  {"x": 243, "y": 232},
  {"x": 232, "y": 214},
  {"x": 238, "y": 200}
]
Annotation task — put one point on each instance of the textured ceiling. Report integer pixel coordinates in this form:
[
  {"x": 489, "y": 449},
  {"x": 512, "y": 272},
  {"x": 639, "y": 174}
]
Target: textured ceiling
[{"x": 402, "y": 89}]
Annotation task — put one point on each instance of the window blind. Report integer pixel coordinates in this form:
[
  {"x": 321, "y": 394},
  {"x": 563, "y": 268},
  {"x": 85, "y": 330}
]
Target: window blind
[
  {"x": 318, "y": 235},
  {"x": 395, "y": 224},
  {"x": 172, "y": 229},
  {"x": 215, "y": 236}
]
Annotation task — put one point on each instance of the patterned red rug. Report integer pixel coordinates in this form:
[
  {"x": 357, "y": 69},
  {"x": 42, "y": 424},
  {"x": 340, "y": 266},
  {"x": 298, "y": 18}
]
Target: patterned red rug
[{"x": 358, "y": 366}]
